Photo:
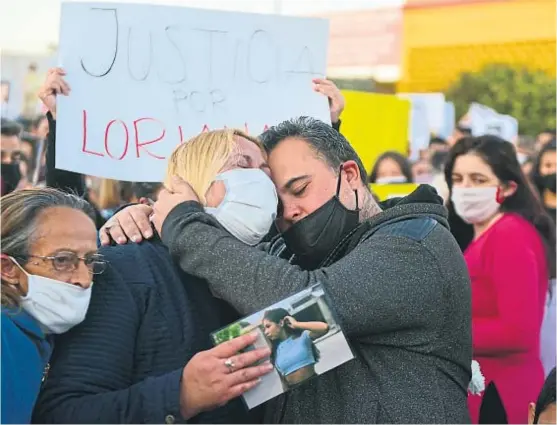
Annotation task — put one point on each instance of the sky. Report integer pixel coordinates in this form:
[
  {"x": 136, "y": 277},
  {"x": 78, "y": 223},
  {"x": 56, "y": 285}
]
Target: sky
[{"x": 30, "y": 26}]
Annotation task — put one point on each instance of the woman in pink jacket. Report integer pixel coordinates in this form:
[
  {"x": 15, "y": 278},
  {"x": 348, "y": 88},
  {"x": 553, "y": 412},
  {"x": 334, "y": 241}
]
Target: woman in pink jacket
[{"x": 509, "y": 246}]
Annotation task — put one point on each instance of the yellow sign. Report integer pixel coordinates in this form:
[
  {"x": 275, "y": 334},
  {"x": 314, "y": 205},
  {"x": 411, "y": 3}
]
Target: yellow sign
[
  {"x": 396, "y": 190},
  {"x": 375, "y": 123}
]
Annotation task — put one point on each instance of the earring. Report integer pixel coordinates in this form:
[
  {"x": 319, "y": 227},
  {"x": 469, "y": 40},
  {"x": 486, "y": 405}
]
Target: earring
[{"x": 499, "y": 198}]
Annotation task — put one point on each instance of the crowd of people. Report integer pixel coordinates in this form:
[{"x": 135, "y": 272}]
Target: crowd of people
[{"x": 110, "y": 290}]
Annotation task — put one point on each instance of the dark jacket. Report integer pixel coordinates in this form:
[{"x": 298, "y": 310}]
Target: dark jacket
[
  {"x": 25, "y": 354},
  {"x": 124, "y": 363},
  {"x": 66, "y": 181},
  {"x": 402, "y": 294}
]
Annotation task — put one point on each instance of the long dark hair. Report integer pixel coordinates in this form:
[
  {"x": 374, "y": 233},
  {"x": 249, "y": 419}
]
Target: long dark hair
[
  {"x": 276, "y": 315},
  {"x": 399, "y": 159},
  {"x": 536, "y": 176},
  {"x": 501, "y": 157}
]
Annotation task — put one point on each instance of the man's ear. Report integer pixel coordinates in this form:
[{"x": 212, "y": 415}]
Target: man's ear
[
  {"x": 352, "y": 172},
  {"x": 9, "y": 271},
  {"x": 531, "y": 413}
]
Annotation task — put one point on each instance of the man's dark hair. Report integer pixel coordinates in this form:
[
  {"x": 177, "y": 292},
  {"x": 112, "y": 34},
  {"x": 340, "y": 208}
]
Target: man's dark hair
[
  {"x": 549, "y": 131},
  {"x": 437, "y": 141},
  {"x": 546, "y": 397},
  {"x": 10, "y": 128},
  {"x": 326, "y": 142}
]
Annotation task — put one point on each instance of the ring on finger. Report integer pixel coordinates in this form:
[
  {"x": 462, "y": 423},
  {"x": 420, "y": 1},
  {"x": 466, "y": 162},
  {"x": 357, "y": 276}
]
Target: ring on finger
[{"x": 229, "y": 363}]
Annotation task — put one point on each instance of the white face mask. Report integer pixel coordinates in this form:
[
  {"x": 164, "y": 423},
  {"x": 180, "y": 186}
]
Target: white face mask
[
  {"x": 57, "y": 306},
  {"x": 475, "y": 204},
  {"x": 521, "y": 157},
  {"x": 249, "y": 207},
  {"x": 391, "y": 179}
]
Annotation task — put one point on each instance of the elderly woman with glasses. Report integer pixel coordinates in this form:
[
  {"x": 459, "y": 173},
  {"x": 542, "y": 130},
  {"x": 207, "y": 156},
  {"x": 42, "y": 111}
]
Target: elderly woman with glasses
[{"x": 49, "y": 254}]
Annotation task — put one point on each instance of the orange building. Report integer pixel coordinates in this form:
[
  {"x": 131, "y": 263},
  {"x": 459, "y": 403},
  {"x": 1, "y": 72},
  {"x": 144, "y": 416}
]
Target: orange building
[{"x": 443, "y": 38}]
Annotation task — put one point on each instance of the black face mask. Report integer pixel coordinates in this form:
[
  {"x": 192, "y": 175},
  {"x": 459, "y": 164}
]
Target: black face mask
[
  {"x": 11, "y": 175},
  {"x": 314, "y": 237},
  {"x": 549, "y": 182}
]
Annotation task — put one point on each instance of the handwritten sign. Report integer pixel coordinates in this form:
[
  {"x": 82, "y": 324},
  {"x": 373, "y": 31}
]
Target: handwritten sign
[
  {"x": 485, "y": 120},
  {"x": 145, "y": 78}
]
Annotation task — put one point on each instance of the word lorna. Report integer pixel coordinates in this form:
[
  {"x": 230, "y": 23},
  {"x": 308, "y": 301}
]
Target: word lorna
[{"x": 116, "y": 141}]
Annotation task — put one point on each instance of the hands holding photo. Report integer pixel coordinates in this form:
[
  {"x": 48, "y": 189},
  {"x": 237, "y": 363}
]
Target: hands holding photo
[{"x": 214, "y": 377}]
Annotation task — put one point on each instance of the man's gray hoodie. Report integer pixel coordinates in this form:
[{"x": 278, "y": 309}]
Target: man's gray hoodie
[{"x": 401, "y": 292}]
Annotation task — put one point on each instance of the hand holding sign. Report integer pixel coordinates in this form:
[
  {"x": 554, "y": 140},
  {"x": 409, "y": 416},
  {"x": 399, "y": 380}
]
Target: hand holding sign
[
  {"x": 336, "y": 99},
  {"x": 53, "y": 85}
]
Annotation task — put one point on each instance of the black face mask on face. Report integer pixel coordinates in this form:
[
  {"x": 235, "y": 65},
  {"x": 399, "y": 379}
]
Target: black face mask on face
[
  {"x": 11, "y": 175},
  {"x": 549, "y": 182},
  {"x": 314, "y": 237}
]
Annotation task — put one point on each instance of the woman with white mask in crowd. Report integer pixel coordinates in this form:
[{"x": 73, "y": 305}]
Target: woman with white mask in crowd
[
  {"x": 509, "y": 246},
  {"x": 49, "y": 256},
  {"x": 391, "y": 167}
]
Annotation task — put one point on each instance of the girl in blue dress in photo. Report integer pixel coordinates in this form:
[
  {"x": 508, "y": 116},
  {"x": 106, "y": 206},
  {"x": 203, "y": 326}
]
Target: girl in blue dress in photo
[{"x": 294, "y": 353}]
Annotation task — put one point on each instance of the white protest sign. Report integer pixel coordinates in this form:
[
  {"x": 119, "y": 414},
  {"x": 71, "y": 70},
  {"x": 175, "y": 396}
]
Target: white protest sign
[
  {"x": 485, "y": 120},
  {"x": 419, "y": 128},
  {"x": 144, "y": 78},
  {"x": 435, "y": 107},
  {"x": 449, "y": 119}
]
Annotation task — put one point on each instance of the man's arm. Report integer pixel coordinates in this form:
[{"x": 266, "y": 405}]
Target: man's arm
[{"x": 381, "y": 286}]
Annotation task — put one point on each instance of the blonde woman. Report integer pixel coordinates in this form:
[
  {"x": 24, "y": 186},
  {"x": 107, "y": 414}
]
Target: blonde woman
[
  {"x": 228, "y": 169},
  {"x": 49, "y": 254},
  {"x": 143, "y": 354}
]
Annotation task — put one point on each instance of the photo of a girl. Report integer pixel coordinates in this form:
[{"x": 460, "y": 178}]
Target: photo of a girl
[{"x": 293, "y": 352}]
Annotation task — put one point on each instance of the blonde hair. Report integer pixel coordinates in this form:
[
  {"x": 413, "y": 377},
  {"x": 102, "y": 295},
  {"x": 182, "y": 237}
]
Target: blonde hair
[
  {"x": 199, "y": 160},
  {"x": 20, "y": 211}
]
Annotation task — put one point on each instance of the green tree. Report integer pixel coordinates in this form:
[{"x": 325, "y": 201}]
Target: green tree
[{"x": 527, "y": 95}]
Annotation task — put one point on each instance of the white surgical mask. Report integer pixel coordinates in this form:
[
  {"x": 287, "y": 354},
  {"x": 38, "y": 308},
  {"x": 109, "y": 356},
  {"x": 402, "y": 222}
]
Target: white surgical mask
[
  {"x": 521, "y": 157},
  {"x": 249, "y": 207},
  {"x": 475, "y": 204},
  {"x": 57, "y": 306},
  {"x": 391, "y": 180}
]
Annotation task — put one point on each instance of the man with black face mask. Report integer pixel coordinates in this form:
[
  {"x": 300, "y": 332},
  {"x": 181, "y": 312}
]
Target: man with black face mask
[
  {"x": 396, "y": 276},
  {"x": 11, "y": 154}
]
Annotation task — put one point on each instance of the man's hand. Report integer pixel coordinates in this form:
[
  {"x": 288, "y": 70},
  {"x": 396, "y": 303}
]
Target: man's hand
[
  {"x": 336, "y": 99},
  {"x": 53, "y": 86},
  {"x": 167, "y": 200},
  {"x": 131, "y": 223},
  {"x": 214, "y": 377}
]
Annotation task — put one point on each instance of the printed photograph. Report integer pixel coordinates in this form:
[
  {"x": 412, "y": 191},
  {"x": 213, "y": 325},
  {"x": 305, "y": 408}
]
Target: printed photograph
[{"x": 304, "y": 336}]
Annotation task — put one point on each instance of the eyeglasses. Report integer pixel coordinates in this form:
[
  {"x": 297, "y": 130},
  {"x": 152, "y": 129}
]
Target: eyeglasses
[{"x": 69, "y": 261}]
